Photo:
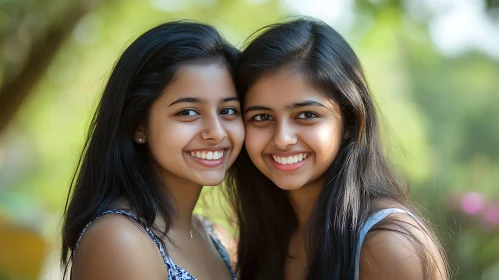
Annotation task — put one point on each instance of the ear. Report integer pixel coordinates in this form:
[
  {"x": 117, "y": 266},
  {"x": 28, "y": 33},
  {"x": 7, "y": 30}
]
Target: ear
[
  {"x": 140, "y": 135},
  {"x": 346, "y": 133}
]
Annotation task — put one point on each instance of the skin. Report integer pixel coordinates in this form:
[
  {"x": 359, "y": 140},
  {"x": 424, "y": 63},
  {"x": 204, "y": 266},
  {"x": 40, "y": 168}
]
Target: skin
[
  {"x": 391, "y": 255},
  {"x": 202, "y": 99},
  {"x": 308, "y": 122}
]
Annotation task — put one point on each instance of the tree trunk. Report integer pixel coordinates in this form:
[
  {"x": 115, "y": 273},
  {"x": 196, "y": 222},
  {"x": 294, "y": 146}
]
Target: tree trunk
[{"x": 15, "y": 91}]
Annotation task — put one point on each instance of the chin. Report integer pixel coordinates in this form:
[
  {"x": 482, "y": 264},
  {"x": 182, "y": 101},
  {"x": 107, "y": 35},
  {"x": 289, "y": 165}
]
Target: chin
[
  {"x": 214, "y": 181},
  {"x": 207, "y": 177},
  {"x": 211, "y": 184},
  {"x": 288, "y": 186}
]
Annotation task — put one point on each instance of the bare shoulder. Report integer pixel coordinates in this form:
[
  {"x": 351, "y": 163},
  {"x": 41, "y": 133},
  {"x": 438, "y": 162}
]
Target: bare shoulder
[
  {"x": 400, "y": 249},
  {"x": 114, "y": 247}
]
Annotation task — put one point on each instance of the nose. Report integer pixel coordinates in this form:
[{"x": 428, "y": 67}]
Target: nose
[
  {"x": 213, "y": 129},
  {"x": 284, "y": 135}
]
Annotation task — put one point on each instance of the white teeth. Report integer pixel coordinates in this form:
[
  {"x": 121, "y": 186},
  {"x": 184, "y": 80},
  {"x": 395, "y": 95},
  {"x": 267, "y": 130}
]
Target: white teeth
[
  {"x": 291, "y": 159},
  {"x": 218, "y": 155},
  {"x": 209, "y": 155}
]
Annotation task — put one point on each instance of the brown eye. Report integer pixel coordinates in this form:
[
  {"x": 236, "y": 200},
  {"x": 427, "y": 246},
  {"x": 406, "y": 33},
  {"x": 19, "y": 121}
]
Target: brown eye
[
  {"x": 187, "y": 112},
  {"x": 262, "y": 118},
  {"x": 307, "y": 115},
  {"x": 228, "y": 111}
]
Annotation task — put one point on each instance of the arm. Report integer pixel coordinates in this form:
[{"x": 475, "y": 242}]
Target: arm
[
  {"x": 393, "y": 253},
  {"x": 113, "y": 247}
]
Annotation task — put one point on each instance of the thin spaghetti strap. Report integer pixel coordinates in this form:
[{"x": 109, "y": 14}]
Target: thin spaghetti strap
[
  {"x": 165, "y": 257},
  {"x": 174, "y": 271},
  {"x": 218, "y": 244},
  {"x": 369, "y": 223}
]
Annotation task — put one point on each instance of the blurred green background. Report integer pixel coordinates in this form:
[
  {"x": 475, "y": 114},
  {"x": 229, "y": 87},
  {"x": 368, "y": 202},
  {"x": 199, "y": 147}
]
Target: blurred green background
[{"x": 432, "y": 66}]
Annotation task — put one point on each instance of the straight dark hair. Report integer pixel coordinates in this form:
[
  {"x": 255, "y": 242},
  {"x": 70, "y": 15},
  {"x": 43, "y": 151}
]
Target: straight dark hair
[
  {"x": 359, "y": 175},
  {"x": 111, "y": 164}
]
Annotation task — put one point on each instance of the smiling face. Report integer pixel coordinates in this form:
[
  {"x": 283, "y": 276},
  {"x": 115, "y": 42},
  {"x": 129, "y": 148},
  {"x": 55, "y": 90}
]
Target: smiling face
[
  {"x": 195, "y": 130},
  {"x": 293, "y": 130}
]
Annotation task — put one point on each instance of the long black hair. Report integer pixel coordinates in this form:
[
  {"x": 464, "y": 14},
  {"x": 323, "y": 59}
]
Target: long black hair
[
  {"x": 112, "y": 165},
  {"x": 359, "y": 175}
]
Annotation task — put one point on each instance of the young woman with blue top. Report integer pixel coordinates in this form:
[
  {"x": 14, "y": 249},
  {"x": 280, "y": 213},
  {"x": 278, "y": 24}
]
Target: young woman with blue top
[
  {"x": 313, "y": 192},
  {"x": 168, "y": 123}
]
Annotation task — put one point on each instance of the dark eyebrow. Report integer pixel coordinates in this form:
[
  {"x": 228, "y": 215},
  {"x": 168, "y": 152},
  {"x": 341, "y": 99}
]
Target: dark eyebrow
[
  {"x": 256, "y": 108},
  {"x": 228, "y": 99},
  {"x": 187, "y": 100},
  {"x": 198, "y": 100},
  {"x": 305, "y": 103},
  {"x": 294, "y": 105}
]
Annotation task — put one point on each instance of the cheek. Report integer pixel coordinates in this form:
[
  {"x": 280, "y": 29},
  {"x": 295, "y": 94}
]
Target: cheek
[
  {"x": 167, "y": 140},
  {"x": 235, "y": 129},
  {"x": 326, "y": 142},
  {"x": 255, "y": 142}
]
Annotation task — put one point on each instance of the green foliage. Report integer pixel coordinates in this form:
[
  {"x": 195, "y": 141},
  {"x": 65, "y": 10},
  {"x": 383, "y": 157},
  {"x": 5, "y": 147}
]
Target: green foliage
[{"x": 440, "y": 116}]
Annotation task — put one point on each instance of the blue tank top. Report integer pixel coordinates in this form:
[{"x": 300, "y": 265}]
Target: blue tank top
[
  {"x": 175, "y": 272},
  {"x": 369, "y": 223}
]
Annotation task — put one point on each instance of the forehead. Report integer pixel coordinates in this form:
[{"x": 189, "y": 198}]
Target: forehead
[
  {"x": 286, "y": 86},
  {"x": 203, "y": 80}
]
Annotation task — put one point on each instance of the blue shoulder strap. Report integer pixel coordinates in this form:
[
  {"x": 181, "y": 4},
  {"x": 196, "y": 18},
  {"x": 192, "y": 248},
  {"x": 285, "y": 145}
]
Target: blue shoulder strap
[{"x": 369, "y": 223}]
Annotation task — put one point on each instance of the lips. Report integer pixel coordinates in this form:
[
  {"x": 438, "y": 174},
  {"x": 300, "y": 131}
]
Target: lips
[
  {"x": 208, "y": 155},
  {"x": 289, "y": 161},
  {"x": 208, "y": 158}
]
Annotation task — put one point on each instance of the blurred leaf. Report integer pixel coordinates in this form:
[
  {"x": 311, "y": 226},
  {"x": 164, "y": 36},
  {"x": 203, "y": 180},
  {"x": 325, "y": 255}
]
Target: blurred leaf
[{"x": 22, "y": 253}]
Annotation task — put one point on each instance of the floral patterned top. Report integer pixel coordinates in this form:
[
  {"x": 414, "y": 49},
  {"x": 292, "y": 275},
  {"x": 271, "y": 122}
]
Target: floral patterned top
[{"x": 175, "y": 272}]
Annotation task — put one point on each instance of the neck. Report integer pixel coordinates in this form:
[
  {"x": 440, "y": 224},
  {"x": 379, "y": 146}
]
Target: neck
[
  {"x": 303, "y": 201},
  {"x": 185, "y": 195},
  {"x": 185, "y": 198}
]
